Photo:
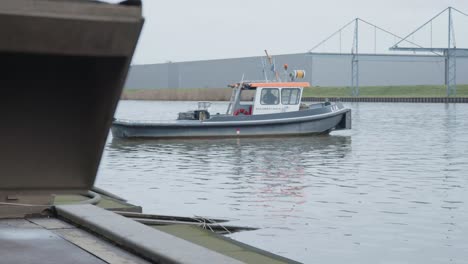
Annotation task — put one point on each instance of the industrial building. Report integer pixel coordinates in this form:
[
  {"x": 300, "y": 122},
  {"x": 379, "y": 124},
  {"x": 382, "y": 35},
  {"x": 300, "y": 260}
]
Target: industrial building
[
  {"x": 429, "y": 60},
  {"x": 322, "y": 69}
]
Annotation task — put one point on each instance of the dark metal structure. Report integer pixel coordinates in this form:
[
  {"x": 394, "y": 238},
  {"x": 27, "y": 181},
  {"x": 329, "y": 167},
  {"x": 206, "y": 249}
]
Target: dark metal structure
[{"x": 63, "y": 67}]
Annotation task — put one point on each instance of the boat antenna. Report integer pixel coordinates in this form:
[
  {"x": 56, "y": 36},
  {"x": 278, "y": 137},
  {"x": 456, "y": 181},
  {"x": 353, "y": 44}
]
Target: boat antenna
[{"x": 273, "y": 66}]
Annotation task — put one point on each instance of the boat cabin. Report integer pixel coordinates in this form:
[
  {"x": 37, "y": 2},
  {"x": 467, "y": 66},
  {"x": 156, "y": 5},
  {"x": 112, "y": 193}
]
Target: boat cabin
[{"x": 270, "y": 98}]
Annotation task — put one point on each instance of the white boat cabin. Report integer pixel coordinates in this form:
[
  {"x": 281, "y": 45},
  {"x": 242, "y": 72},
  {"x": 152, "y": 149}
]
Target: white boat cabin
[{"x": 270, "y": 97}]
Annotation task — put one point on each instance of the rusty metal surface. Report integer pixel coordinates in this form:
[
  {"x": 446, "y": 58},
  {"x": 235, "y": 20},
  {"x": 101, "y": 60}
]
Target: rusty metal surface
[
  {"x": 26, "y": 243},
  {"x": 98, "y": 247},
  {"x": 71, "y": 28},
  {"x": 51, "y": 240},
  {"x": 13, "y": 211},
  {"x": 51, "y": 223}
]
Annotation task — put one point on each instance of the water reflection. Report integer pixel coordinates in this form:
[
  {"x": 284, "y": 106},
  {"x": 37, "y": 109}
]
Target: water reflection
[
  {"x": 262, "y": 171},
  {"x": 392, "y": 189},
  {"x": 287, "y": 144}
]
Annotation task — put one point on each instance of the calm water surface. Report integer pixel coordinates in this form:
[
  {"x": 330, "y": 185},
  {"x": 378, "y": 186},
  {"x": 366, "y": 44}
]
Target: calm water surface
[{"x": 391, "y": 190}]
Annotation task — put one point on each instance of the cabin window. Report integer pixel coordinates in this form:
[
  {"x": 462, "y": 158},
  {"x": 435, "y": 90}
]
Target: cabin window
[
  {"x": 269, "y": 96},
  {"x": 290, "y": 96}
]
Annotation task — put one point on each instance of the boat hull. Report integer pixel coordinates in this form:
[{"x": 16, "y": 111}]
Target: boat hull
[{"x": 317, "y": 121}]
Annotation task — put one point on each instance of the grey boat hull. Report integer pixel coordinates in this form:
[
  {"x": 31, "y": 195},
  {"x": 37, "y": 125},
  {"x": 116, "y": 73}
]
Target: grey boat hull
[{"x": 312, "y": 121}]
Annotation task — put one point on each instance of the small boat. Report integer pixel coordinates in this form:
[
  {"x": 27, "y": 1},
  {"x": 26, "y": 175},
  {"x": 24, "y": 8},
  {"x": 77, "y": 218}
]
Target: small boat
[{"x": 276, "y": 110}]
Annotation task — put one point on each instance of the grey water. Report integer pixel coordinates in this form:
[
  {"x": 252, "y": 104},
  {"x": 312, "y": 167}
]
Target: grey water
[{"x": 393, "y": 189}]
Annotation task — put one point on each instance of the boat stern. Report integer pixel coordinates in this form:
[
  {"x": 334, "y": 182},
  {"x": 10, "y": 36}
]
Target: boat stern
[{"x": 345, "y": 122}]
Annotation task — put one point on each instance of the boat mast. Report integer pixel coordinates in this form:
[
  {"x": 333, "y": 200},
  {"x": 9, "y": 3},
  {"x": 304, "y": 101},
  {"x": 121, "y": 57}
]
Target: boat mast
[
  {"x": 235, "y": 96},
  {"x": 273, "y": 66}
]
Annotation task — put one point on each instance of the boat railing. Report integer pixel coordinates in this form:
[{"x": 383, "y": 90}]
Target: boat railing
[
  {"x": 204, "y": 105},
  {"x": 252, "y": 81}
]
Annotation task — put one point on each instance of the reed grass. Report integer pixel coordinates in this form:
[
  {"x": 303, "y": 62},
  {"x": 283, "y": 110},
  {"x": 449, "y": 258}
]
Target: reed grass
[
  {"x": 201, "y": 94},
  {"x": 224, "y": 94},
  {"x": 386, "y": 91}
]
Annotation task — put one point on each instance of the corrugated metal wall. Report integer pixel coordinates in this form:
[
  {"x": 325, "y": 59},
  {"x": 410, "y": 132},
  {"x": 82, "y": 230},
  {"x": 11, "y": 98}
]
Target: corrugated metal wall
[{"x": 322, "y": 70}]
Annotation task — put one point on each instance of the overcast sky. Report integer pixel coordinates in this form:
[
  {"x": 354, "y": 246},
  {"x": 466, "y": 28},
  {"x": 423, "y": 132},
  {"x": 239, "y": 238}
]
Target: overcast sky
[{"x": 184, "y": 30}]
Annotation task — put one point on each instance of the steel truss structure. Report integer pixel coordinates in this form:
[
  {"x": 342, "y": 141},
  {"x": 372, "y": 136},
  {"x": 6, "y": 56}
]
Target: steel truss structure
[
  {"x": 355, "y": 47},
  {"x": 451, "y": 52}
]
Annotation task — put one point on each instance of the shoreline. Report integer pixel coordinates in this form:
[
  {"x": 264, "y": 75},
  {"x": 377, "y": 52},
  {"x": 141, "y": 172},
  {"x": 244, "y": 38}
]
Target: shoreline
[
  {"x": 393, "y": 94},
  {"x": 388, "y": 99}
]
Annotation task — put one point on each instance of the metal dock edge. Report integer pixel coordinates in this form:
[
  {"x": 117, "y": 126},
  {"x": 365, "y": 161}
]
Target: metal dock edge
[{"x": 148, "y": 242}]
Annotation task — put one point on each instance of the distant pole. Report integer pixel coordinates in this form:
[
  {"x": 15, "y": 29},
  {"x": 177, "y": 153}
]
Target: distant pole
[
  {"x": 340, "y": 41},
  {"x": 451, "y": 57},
  {"x": 311, "y": 70},
  {"x": 431, "y": 33},
  {"x": 449, "y": 27},
  {"x": 355, "y": 61},
  {"x": 447, "y": 68},
  {"x": 375, "y": 40}
]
